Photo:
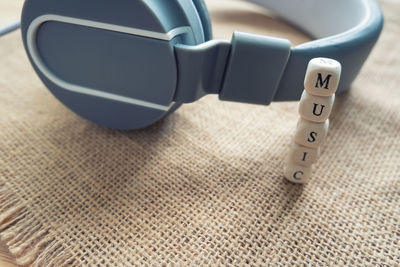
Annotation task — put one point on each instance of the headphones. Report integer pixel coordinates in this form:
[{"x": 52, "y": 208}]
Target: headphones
[{"x": 126, "y": 64}]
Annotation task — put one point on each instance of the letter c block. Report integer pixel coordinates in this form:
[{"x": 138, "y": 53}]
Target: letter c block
[{"x": 296, "y": 173}]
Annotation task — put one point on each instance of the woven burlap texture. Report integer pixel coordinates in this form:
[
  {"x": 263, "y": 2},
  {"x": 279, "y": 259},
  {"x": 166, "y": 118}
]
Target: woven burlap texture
[{"x": 204, "y": 186}]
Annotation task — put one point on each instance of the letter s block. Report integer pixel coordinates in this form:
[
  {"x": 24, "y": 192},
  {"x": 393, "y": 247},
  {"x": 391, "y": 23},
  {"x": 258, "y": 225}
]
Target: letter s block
[
  {"x": 311, "y": 134},
  {"x": 315, "y": 108},
  {"x": 322, "y": 76}
]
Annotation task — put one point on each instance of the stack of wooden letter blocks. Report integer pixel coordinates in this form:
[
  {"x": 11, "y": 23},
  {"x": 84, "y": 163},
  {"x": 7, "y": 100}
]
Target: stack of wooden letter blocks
[{"x": 320, "y": 83}]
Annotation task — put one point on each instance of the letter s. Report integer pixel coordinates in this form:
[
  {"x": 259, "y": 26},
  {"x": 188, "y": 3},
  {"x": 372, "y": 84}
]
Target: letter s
[{"x": 312, "y": 138}]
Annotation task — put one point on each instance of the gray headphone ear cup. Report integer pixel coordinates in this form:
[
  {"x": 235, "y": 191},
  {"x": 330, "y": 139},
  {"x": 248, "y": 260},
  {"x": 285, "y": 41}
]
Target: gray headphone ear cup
[
  {"x": 124, "y": 73},
  {"x": 205, "y": 18}
]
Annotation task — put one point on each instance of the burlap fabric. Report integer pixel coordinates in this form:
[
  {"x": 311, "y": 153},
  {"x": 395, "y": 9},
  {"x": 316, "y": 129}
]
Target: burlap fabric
[{"x": 204, "y": 186}]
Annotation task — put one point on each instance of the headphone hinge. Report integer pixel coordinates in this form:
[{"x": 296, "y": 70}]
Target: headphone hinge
[{"x": 255, "y": 68}]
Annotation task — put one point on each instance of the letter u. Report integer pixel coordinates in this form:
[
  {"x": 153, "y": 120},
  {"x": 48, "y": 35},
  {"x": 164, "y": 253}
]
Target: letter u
[{"x": 315, "y": 109}]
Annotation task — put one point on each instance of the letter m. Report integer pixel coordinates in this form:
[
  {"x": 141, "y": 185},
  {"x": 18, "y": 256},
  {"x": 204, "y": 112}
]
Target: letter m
[{"x": 321, "y": 82}]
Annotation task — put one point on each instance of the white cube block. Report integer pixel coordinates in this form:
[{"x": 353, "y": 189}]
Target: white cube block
[
  {"x": 315, "y": 108},
  {"x": 322, "y": 76},
  {"x": 304, "y": 156},
  {"x": 297, "y": 173},
  {"x": 311, "y": 134}
]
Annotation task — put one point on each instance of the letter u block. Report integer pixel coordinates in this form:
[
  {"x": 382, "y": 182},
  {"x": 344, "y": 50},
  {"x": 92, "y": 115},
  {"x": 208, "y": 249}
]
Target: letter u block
[{"x": 315, "y": 108}]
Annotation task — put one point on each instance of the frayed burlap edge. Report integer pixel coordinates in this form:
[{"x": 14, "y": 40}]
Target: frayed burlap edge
[{"x": 29, "y": 241}]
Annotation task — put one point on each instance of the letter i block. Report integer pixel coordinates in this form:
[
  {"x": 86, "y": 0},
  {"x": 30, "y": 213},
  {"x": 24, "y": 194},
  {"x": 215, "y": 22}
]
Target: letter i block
[
  {"x": 322, "y": 76},
  {"x": 304, "y": 156}
]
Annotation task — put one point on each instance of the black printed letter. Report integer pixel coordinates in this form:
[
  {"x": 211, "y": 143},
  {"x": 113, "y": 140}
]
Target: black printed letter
[
  {"x": 315, "y": 110},
  {"x": 323, "y": 82},
  {"x": 313, "y": 135},
  {"x": 295, "y": 175}
]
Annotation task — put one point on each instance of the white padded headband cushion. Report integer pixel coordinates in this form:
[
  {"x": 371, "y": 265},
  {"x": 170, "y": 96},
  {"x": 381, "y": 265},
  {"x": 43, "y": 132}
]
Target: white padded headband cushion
[{"x": 321, "y": 18}]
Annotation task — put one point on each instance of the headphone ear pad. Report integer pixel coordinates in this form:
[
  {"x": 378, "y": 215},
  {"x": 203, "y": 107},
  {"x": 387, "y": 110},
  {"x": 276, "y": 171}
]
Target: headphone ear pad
[{"x": 205, "y": 18}]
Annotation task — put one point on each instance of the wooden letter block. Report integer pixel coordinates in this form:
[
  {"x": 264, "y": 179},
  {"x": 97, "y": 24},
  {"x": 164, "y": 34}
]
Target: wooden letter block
[
  {"x": 311, "y": 134},
  {"x": 297, "y": 173},
  {"x": 315, "y": 108},
  {"x": 322, "y": 76},
  {"x": 303, "y": 156}
]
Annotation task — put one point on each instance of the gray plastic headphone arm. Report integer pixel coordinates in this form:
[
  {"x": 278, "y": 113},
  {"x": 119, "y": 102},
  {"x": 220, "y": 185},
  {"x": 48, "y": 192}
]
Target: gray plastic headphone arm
[
  {"x": 200, "y": 69},
  {"x": 255, "y": 68},
  {"x": 248, "y": 70}
]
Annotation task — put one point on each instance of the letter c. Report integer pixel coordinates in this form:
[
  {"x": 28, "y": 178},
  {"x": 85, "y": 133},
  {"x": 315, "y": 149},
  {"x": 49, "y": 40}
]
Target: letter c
[{"x": 295, "y": 175}]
